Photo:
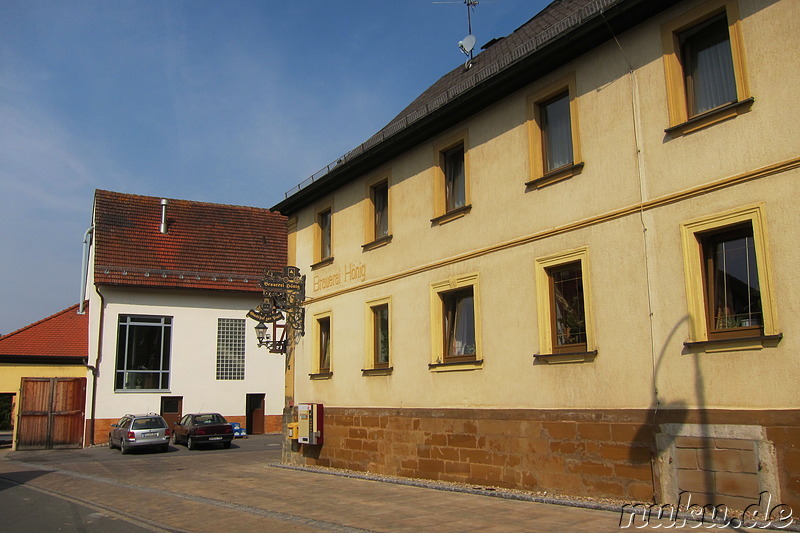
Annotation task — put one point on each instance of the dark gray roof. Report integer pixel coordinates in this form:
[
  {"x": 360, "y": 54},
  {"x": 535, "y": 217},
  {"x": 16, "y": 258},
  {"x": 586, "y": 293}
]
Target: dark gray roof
[
  {"x": 556, "y": 18},
  {"x": 560, "y": 32}
]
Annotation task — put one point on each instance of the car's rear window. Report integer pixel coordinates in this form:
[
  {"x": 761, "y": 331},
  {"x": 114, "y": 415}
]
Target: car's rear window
[
  {"x": 149, "y": 423},
  {"x": 209, "y": 419}
]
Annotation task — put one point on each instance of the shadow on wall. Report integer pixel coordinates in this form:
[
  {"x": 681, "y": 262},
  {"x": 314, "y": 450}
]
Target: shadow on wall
[{"x": 675, "y": 411}]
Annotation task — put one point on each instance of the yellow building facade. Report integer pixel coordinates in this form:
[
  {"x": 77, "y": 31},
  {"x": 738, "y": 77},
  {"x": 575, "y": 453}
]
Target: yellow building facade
[{"x": 571, "y": 266}]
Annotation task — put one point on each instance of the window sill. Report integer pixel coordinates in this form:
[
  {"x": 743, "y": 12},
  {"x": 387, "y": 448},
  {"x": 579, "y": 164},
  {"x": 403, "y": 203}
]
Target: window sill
[
  {"x": 321, "y": 375},
  {"x": 567, "y": 357},
  {"x": 554, "y": 176},
  {"x": 475, "y": 364},
  {"x": 377, "y": 243},
  {"x": 325, "y": 262},
  {"x": 134, "y": 391},
  {"x": 718, "y": 114},
  {"x": 755, "y": 342},
  {"x": 451, "y": 215},
  {"x": 377, "y": 371}
]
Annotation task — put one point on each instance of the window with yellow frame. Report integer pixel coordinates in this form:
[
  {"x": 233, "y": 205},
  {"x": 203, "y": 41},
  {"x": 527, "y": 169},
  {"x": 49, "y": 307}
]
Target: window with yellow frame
[
  {"x": 451, "y": 178},
  {"x": 323, "y": 237},
  {"x": 553, "y": 131},
  {"x": 728, "y": 283},
  {"x": 704, "y": 66},
  {"x": 456, "y": 323},
  {"x": 323, "y": 346},
  {"x": 379, "y": 339},
  {"x": 566, "y": 324},
  {"x": 377, "y": 215}
]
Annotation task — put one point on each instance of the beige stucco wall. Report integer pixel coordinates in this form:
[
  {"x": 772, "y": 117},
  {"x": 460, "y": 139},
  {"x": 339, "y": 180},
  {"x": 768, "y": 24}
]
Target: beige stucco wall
[{"x": 636, "y": 259}]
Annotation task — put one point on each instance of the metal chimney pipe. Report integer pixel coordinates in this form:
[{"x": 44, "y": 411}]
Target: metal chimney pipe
[{"x": 164, "y": 204}]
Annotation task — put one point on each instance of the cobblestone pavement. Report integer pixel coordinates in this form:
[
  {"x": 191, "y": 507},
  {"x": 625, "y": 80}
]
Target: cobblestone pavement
[{"x": 244, "y": 489}]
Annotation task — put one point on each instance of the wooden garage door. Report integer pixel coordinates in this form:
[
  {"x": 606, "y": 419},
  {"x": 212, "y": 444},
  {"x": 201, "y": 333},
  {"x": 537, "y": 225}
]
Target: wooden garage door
[{"x": 51, "y": 413}]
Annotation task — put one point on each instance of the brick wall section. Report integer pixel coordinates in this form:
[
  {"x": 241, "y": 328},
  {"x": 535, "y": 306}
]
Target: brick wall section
[
  {"x": 605, "y": 453},
  {"x": 533, "y": 450}
]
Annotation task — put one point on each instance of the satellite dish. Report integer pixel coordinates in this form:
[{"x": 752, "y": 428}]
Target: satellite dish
[{"x": 467, "y": 44}]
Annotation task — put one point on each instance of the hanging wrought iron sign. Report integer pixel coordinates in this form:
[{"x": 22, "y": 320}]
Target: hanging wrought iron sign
[{"x": 284, "y": 293}]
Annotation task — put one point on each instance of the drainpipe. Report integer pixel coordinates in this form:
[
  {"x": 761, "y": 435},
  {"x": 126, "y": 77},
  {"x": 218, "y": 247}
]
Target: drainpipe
[
  {"x": 87, "y": 242},
  {"x": 96, "y": 368}
]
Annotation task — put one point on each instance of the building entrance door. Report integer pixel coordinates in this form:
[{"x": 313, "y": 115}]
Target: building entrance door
[
  {"x": 172, "y": 409},
  {"x": 255, "y": 414}
]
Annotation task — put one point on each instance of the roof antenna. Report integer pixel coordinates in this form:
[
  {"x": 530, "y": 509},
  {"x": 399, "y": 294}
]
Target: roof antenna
[{"x": 467, "y": 43}]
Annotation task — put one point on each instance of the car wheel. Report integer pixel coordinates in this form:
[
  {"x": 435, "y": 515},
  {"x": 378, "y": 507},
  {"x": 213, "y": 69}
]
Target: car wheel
[
  {"x": 226, "y": 444},
  {"x": 190, "y": 443},
  {"x": 124, "y": 448},
  {"x": 110, "y": 442}
]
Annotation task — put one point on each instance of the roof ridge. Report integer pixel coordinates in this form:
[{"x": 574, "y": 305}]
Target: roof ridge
[
  {"x": 196, "y": 202},
  {"x": 51, "y": 317}
]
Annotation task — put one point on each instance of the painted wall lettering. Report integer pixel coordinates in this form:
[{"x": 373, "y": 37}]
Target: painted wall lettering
[{"x": 353, "y": 273}]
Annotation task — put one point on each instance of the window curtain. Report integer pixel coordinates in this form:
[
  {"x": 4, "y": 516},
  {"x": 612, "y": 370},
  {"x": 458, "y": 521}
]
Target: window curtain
[
  {"x": 325, "y": 234},
  {"x": 711, "y": 81},
  {"x": 557, "y": 133},
  {"x": 382, "y": 335},
  {"x": 460, "y": 324},
  {"x": 455, "y": 186},
  {"x": 381, "y": 197},
  {"x": 324, "y": 346}
]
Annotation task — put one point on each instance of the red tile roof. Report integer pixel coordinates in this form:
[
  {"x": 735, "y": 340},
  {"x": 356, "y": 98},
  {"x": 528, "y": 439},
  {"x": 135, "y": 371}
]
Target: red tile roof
[
  {"x": 65, "y": 334},
  {"x": 207, "y": 246}
]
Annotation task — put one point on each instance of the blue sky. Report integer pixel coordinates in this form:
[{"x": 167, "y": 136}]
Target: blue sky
[{"x": 228, "y": 101}]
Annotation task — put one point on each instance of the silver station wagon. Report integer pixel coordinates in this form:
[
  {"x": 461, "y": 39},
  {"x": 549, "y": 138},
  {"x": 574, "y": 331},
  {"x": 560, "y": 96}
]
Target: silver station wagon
[{"x": 136, "y": 431}]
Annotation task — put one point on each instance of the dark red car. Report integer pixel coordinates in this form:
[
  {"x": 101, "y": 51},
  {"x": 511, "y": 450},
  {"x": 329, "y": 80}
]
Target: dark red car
[{"x": 203, "y": 428}]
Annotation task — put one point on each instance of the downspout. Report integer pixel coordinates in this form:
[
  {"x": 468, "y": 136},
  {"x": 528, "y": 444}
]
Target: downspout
[
  {"x": 96, "y": 368},
  {"x": 87, "y": 242}
]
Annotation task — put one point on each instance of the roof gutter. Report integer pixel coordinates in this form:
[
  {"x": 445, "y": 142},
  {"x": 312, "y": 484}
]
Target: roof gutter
[{"x": 578, "y": 40}]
